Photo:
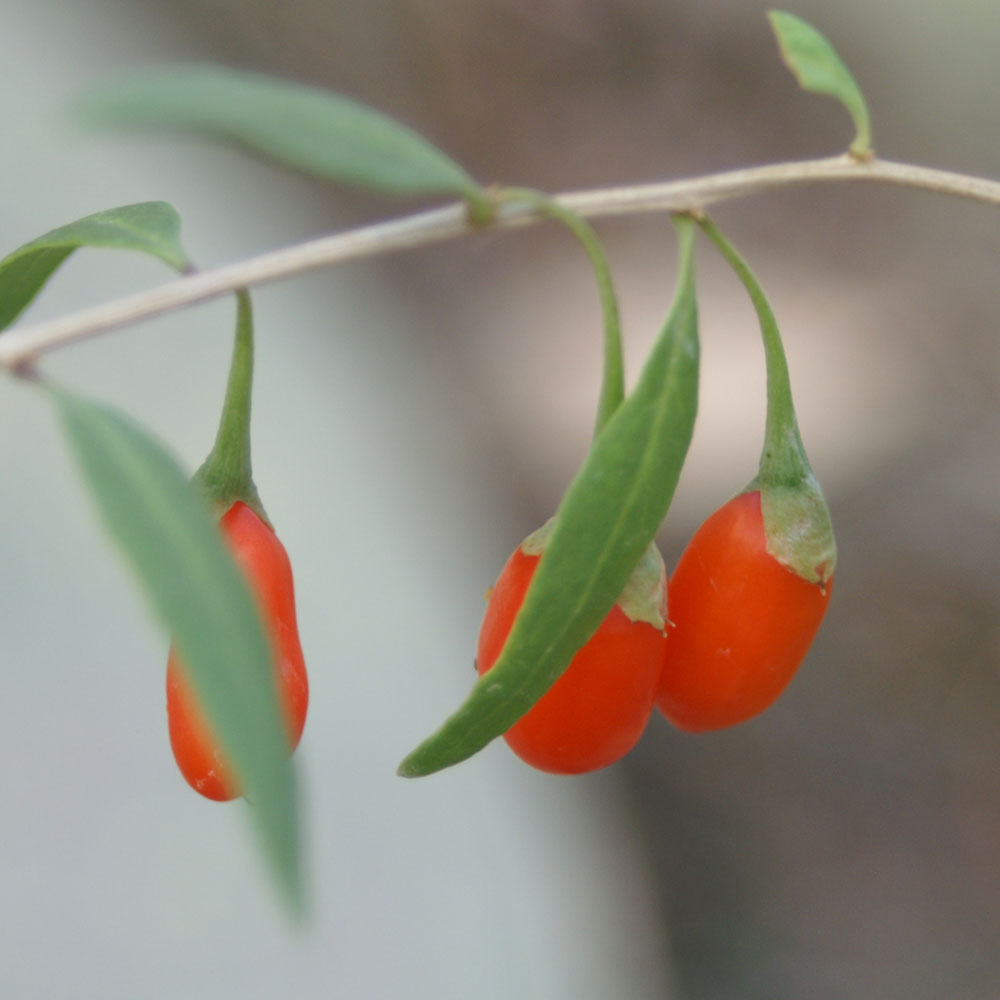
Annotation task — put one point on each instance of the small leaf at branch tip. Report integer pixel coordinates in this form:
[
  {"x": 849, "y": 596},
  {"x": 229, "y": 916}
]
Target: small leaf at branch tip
[{"x": 817, "y": 67}]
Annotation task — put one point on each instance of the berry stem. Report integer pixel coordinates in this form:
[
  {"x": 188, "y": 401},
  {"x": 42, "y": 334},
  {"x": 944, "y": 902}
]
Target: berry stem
[
  {"x": 783, "y": 459},
  {"x": 613, "y": 379},
  {"x": 796, "y": 518},
  {"x": 226, "y": 475}
]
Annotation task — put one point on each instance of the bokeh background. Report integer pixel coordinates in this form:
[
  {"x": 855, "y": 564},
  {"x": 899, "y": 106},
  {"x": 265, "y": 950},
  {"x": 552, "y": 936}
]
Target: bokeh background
[{"x": 416, "y": 417}]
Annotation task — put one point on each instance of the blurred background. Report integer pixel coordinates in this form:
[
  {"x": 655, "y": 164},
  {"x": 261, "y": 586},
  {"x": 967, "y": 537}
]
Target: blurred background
[{"x": 415, "y": 417}]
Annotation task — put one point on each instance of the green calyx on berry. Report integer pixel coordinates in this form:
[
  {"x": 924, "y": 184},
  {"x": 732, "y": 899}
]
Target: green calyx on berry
[
  {"x": 642, "y": 597},
  {"x": 796, "y": 518},
  {"x": 226, "y": 476},
  {"x": 798, "y": 528}
]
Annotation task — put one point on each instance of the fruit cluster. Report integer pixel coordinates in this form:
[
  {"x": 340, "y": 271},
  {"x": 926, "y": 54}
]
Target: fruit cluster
[
  {"x": 580, "y": 640},
  {"x": 739, "y": 625}
]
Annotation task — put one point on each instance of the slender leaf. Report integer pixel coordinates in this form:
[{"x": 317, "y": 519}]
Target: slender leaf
[
  {"x": 151, "y": 227},
  {"x": 817, "y": 67},
  {"x": 168, "y": 537},
  {"x": 607, "y": 519},
  {"x": 315, "y": 131}
]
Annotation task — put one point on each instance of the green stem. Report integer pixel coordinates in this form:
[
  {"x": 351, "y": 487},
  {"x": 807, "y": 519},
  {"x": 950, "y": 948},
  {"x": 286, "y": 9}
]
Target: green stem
[
  {"x": 226, "y": 475},
  {"x": 796, "y": 518},
  {"x": 783, "y": 460},
  {"x": 613, "y": 382}
]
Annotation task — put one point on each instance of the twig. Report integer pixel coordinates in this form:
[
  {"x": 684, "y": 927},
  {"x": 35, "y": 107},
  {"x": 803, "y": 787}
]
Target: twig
[{"x": 20, "y": 347}]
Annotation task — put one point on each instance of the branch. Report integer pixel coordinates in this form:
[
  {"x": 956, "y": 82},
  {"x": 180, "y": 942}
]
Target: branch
[{"x": 22, "y": 346}]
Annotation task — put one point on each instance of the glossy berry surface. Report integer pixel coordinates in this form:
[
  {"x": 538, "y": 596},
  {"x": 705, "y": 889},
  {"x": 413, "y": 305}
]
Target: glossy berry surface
[
  {"x": 741, "y": 622},
  {"x": 598, "y": 708},
  {"x": 262, "y": 557}
]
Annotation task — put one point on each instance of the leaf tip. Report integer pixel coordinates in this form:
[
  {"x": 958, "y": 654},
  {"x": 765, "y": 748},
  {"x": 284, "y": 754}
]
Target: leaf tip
[
  {"x": 410, "y": 767},
  {"x": 297, "y": 904}
]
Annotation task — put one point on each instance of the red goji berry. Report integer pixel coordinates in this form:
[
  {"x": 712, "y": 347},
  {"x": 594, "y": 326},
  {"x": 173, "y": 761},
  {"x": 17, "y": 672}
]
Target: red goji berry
[
  {"x": 262, "y": 557},
  {"x": 740, "y": 622},
  {"x": 598, "y": 708}
]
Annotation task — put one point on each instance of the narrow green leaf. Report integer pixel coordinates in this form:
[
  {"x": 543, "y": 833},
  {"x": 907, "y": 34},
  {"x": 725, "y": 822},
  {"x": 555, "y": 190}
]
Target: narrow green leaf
[
  {"x": 151, "y": 227},
  {"x": 315, "y": 131},
  {"x": 170, "y": 540},
  {"x": 817, "y": 67},
  {"x": 606, "y": 521}
]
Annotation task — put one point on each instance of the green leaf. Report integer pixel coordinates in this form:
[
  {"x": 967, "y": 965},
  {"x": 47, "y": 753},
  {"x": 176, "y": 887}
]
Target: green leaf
[
  {"x": 151, "y": 227},
  {"x": 315, "y": 131},
  {"x": 606, "y": 521},
  {"x": 171, "y": 542},
  {"x": 817, "y": 67}
]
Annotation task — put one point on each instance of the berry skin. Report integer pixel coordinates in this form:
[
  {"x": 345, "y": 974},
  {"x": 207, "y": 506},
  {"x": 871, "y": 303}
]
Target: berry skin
[
  {"x": 262, "y": 557},
  {"x": 598, "y": 708},
  {"x": 741, "y": 622}
]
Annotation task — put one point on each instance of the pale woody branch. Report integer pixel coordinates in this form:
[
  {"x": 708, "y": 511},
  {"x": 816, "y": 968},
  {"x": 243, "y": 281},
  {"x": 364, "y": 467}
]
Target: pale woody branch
[{"x": 20, "y": 347}]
